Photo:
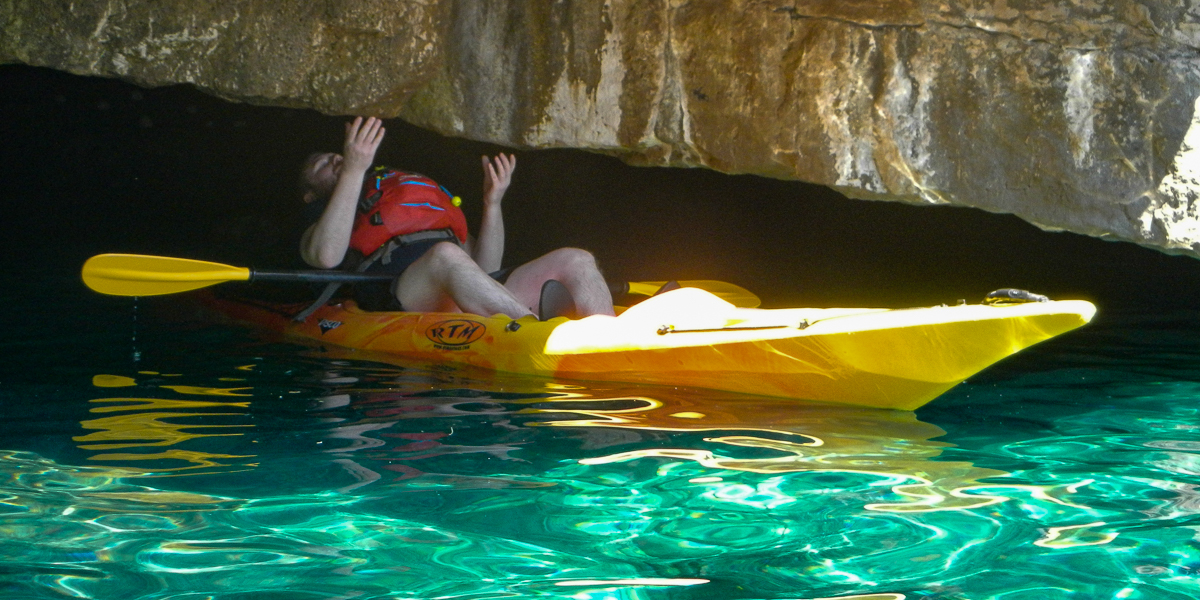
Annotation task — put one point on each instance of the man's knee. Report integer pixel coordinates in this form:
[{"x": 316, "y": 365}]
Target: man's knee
[
  {"x": 446, "y": 255},
  {"x": 575, "y": 259}
]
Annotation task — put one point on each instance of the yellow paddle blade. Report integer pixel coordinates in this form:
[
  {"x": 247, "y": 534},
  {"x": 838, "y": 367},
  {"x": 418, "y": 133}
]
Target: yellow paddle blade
[
  {"x": 733, "y": 294},
  {"x": 140, "y": 275}
]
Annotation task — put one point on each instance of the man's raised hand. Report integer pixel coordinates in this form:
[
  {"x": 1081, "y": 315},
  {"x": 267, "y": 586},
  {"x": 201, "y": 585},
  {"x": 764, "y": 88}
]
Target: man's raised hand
[
  {"x": 362, "y": 140},
  {"x": 497, "y": 175}
]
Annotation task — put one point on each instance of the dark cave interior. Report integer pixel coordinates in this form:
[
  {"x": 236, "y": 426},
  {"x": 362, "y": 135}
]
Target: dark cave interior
[{"x": 95, "y": 165}]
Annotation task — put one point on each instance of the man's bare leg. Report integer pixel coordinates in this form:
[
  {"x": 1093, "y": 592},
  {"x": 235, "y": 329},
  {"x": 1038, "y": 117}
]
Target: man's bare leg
[
  {"x": 445, "y": 279},
  {"x": 575, "y": 268}
]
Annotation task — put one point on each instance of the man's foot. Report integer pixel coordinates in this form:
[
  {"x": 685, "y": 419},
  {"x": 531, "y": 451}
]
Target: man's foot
[
  {"x": 556, "y": 301},
  {"x": 618, "y": 289}
]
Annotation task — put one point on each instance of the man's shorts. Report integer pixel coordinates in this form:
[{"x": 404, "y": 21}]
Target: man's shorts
[{"x": 378, "y": 296}]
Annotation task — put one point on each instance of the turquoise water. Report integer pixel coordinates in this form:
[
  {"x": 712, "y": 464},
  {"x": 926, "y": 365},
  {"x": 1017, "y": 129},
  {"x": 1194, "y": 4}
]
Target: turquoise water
[{"x": 166, "y": 458}]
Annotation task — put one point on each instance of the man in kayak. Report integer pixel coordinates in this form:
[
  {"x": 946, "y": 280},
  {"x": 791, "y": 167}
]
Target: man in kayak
[{"x": 418, "y": 233}]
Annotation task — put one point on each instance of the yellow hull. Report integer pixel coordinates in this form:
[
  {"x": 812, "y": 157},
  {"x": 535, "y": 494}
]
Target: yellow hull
[{"x": 898, "y": 359}]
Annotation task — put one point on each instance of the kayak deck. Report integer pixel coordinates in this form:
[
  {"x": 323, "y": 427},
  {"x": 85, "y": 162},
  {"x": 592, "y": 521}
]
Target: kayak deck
[{"x": 881, "y": 358}]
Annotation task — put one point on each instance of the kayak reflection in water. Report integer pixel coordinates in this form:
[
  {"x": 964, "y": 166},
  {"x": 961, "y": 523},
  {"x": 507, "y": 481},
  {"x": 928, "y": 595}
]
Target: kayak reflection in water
[{"x": 380, "y": 220}]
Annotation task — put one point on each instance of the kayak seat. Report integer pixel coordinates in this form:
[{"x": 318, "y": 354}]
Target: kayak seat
[{"x": 556, "y": 301}]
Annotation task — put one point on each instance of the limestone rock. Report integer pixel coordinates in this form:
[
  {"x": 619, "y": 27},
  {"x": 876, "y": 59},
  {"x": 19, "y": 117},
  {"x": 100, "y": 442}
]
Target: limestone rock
[{"x": 1072, "y": 114}]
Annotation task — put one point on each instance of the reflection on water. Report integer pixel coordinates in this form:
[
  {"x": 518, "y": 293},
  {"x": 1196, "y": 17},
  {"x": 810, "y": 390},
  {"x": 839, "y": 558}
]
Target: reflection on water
[
  {"x": 332, "y": 477},
  {"x": 892, "y": 445},
  {"x": 802, "y": 437},
  {"x": 144, "y": 423}
]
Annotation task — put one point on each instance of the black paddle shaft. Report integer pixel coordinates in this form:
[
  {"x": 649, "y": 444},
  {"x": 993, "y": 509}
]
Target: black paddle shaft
[{"x": 318, "y": 276}]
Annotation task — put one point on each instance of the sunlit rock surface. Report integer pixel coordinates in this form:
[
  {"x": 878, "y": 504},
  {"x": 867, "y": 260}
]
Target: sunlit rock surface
[{"x": 1072, "y": 114}]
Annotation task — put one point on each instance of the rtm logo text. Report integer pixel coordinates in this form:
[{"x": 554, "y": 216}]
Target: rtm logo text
[{"x": 455, "y": 334}]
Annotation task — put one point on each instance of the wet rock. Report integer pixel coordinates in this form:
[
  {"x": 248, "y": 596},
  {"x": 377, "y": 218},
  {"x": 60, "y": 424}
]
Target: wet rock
[{"x": 1072, "y": 114}]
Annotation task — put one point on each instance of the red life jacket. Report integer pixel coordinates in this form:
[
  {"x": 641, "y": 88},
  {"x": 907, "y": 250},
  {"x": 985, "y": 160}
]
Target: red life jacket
[{"x": 395, "y": 203}]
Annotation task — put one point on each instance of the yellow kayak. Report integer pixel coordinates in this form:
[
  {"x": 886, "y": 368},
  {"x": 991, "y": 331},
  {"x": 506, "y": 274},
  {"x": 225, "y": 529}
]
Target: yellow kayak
[{"x": 881, "y": 358}]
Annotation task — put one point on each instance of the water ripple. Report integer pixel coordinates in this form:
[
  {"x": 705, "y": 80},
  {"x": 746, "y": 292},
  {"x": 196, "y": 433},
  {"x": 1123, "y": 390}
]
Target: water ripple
[{"x": 328, "y": 476}]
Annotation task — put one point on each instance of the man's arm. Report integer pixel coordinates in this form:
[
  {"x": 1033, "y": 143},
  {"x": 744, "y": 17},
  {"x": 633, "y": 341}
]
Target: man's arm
[
  {"x": 488, "y": 250},
  {"x": 325, "y": 243}
]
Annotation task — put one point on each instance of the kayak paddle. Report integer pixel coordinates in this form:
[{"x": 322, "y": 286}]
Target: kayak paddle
[{"x": 143, "y": 275}]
